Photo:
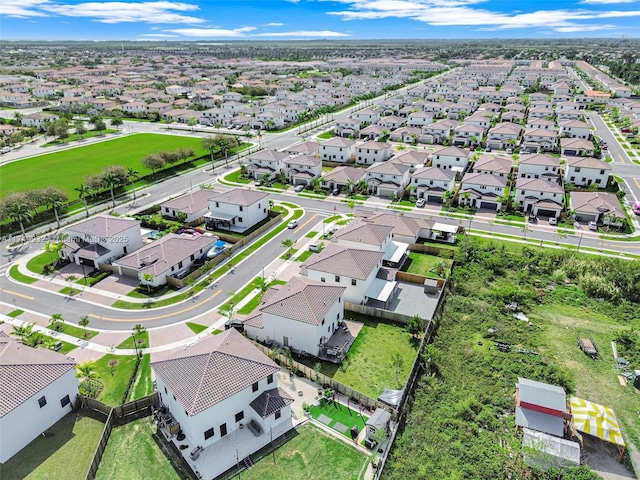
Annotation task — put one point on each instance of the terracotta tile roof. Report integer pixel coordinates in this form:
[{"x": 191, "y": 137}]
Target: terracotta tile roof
[
  {"x": 348, "y": 262},
  {"x": 213, "y": 370},
  {"x": 271, "y": 401},
  {"x": 303, "y": 300},
  {"x": 25, "y": 371}
]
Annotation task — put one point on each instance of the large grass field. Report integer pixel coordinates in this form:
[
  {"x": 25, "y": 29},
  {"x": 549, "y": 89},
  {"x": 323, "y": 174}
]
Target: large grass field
[
  {"x": 132, "y": 454},
  {"x": 311, "y": 455},
  {"x": 369, "y": 368},
  {"x": 64, "y": 453},
  {"x": 68, "y": 169}
]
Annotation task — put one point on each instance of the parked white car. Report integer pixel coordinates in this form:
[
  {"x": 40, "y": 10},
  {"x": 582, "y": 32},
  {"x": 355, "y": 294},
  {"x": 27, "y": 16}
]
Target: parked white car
[{"x": 593, "y": 226}]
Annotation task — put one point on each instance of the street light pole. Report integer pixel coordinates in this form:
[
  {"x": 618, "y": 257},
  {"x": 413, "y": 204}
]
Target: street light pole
[{"x": 579, "y": 242}]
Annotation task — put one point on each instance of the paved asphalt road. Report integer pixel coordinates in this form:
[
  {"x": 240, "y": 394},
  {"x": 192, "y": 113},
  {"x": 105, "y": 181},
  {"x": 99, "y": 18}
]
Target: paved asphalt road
[{"x": 110, "y": 319}]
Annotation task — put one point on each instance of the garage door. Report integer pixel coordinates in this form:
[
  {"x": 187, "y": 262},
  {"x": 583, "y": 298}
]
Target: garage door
[
  {"x": 434, "y": 198},
  {"x": 490, "y": 205},
  {"x": 546, "y": 213},
  {"x": 570, "y": 152}
]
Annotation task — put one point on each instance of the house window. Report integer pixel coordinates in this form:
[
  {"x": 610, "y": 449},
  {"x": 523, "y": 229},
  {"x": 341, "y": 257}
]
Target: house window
[
  {"x": 577, "y": 169},
  {"x": 239, "y": 416},
  {"x": 354, "y": 282},
  {"x": 208, "y": 433},
  {"x": 42, "y": 401},
  {"x": 193, "y": 257},
  {"x": 601, "y": 172},
  {"x": 165, "y": 390},
  {"x": 322, "y": 279},
  {"x": 217, "y": 204},
  {"x": 337, "y": 278},
  {"x": 338, "y": 316},
  {"x": 180, "y": 265},
  {"x": 65, "y": 401},
  {"x": 278, "y": 414},
  {"x": 239, "y": 219},
  {"x": 241, "y": 209},
  {"x": 254, "y": 387},
  {"x": 270, "y": 379},
  {"x": 223, "y": 429}
]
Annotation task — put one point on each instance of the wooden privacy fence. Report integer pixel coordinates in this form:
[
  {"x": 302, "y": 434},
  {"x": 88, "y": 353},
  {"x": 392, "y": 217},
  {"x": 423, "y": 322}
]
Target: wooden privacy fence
[
  {"x": 116, "y": 416},
  {"x": 415, "y": 278},
  {"x": 376, "y": 313},
  {"x": 431, "y": 250}
]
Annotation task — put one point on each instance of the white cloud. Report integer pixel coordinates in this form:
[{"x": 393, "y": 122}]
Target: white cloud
[
  {"x": 303, "y": 33},
  {"x": 274, "y": 24},
  {"x": 212, "y": 32},
  {"x": 463, "y": 13},
  {"x": 22, "y": 8},
  {"x": 158, "y": 35},
  {"x": 120, "y": 12},
  {"x": 606, "y": 2}
]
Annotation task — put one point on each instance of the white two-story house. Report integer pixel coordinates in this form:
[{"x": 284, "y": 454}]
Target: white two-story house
[
  {"x": 583, "y": 171},
  {"x": 266, "y": 164},
  {"x": 575, "y": 129},
  {"x": 450, "y": 158},
  {"x": 503, "y": 134},
  {"x": 387, "y": 178},
  {"x": 370, "y": 152},
  {"x": 302, "y": 169},
  {"x": 431, "y": 183},
  {"x": 237, "y": 210},
  {"x": 539, "y": 197},
  {"x": 482, "y": 190},
  {"x": 539, "y": 165},
  {"x": 193, "y": 205},
  {"x": 223, "y": 395},
  {"x": 340, "y": 150}
]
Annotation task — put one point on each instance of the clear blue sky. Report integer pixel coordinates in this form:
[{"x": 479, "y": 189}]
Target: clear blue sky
[{"x": 315, "y": 19}]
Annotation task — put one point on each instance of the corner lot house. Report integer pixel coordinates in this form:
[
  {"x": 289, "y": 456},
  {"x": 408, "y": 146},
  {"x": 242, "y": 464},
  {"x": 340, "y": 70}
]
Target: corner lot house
[
  {"x": 213, "y": 390},
  {"x": 600, "y": 207},
  {"x": 193, "y": 204},
  {"x": 37, "y": 388},
  {"x": 171, "y": 255},
  {"x": 302, "y": 169},
  {"x": 266, "y": 162},
  {"x": 237, "y": 209},
  {"x": 303, "y": 314},
  {"x": 101, "y": 239},
  {"x": 583, "y": 171}
]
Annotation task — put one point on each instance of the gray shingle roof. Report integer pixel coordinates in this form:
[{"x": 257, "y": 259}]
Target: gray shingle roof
[
  {"x": 190, "y": 202},
  {"x": 103, "y": 226},
  {"x": 25, "y": 371},
  {"x": 364, "y": 233},
  {"x": 270, "y": 401},
  {"x": 213, "y": 370},
  {"x": 303, "y": 300}
]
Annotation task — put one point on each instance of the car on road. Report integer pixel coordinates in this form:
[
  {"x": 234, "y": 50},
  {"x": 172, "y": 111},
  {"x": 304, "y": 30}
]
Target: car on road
[
  {"x": 553, "y": 221},
  {"x": 292, "y": 224},
  {"x": 636, "y": 208},
  {"x": 420, "y": 202},
  {"x": 299, "y": 188},
  {"x": 593, "y": 226},
  {"x": 4, "y": 150}
]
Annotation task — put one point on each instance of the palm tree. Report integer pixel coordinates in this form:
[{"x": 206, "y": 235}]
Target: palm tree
[
  {"x": 261, "y": 284},
  {"x": 20, "y": 213},
  {"x": 55, "y": 200},
  {"x": 84, "y": 322},
  {"x": 87, "y": 371},
  {"x": 112, "y": 181},
  {"x": 83, "y": 192},
  {"x": 56, "y": 321},
  {"x": 23, "y": 331},
  {"x": 192, "y": 123},
  {"x": 147, "y": 277},
  {"x": 133, "y": 175}
]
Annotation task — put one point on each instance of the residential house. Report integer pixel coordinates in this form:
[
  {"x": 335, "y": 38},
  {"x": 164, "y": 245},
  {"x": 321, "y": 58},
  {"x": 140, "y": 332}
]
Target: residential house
[
  {"x": 375, "y": 237},
  {"x": 191, "y": 206},
  {"x": 391, "y": 122},
  {"x": 539, "y": 197},
  {"x": 539, "y": 165},
  {"x": 482, "y": 190},
  {"x": 347, "y": 127},
  {"x": 503, "y": 135},
  {"x": 387, "y": 179},
  {"x": 266, "y": 164},
  {"x": 576, "y": 146},
  {"x": 431, "y": 183},
  {"x": 406, "y": 135},
  {"x": 302, "y": 169},
  {"x": 38, "y": 120},
  {"x": 451, "y": 158},
  {"x": 268, "y": 120},
  {"x": 340, "y": 150},
  {"x": 575, "y": 129},
  {"x": 171, "y": 255},
  {"x": 342, "y": 177},
  {"x": 214, "y": 389},
  {"x": 237, "y": 210},
  {"x": 437, "y": 132},
  {"x": 371, "y": 151},
  {"x": 467, "y": 134},
  {"x": 412, "y": 158},
  {"x": 420, "y": 119},
  {"x": 38, "y": 387},
  {"x": 302, "y": 314},
  {"x": 366, "y": 116},
  {"x": 493, "y": 164},
  {"x": 601, "y": 207},
  {"x": 372, "y": 132},
  {"x": 583, "y": 171},
  {"x": 405, "y": 229},
  {"x": 101, "y": 239},
  {"x": 540, "y": 139},
  {"x": 311, "y": 149}
]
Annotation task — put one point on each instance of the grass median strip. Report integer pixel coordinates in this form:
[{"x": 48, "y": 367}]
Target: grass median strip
[
  {"x": 196, "y": 327},
  {"x": 15, "y": 273}
]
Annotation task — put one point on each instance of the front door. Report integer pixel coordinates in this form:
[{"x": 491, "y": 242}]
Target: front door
[{"x": 285, "y": 341}]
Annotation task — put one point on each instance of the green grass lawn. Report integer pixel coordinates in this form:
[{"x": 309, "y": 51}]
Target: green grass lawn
[
  {"x": 132, "y": 454},
  {"x": 16, "y": 275},
  {"x": 196, "y": 327},
  {"x": 142, "y": 341},
  {"x": 69, "y": 168},
  {"x": 425, "y": 264},
  {"x": 74, "y": 331},
  {"x": 339, "y": 413},
  {"x": 369, "y": 368},
  {"x": 256, "y": 299},
  {"x": 311, "y": 234},
  {"x": 37, "y": 263},
  {"x": 65, "y": 452},
  {"x": 235, "y": 177},
  {"x": 304, "y": 256},
  {"x": 67, "y": 347},
  {"x": 115, "y": 379},
  {"x": 74, "y": 136},
  {"x": 15, "y": 313},
  {"x": 143, "y": 385},
  {"x": 312, "y": 454},
  {"x": 327, "y": 135}
]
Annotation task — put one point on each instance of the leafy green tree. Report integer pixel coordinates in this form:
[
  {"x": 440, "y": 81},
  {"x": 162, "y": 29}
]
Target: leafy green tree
[
  {"x": 56, "y": 321},
  {"x": 147, "y": 277},
  {"x": 84, "y": 323},
  {"x": 112, "y": 181},
  {"x": 288, "y": 244},
  {"x": 397, "y": 363},
  {"x": 116, "y": 121},
  {"x": 153, "y": 161},
  {"x": 83, "y": 192},
  {"x": 87, "y": 371},
  {"x": 80, "y": 128},
  {"x": 415, "y": 326}
]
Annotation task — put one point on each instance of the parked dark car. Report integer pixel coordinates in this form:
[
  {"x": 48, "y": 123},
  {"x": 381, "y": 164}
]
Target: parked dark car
[{"x": 237, "y": 324}]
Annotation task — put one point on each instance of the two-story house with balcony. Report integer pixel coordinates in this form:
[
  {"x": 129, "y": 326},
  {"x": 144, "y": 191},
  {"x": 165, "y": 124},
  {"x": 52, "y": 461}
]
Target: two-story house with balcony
[
  {"x": 266, "y": 164},
  {"x": 237, "y": 210},
  {"x": 482, "y": 191},
  {"x": 539, "y": 197},
  {"x": 540, "y": 139},
  {"x": 503, "y": 134},
  {"x": 431, "y": 183},
  {"x": 302, "y": 169},
  {"x": 386, "y": 179}
]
